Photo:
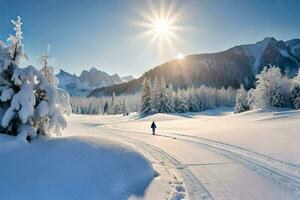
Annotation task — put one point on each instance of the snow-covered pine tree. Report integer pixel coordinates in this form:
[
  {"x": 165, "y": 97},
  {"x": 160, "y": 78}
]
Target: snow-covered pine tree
[
  {"x": 111, "y": 109},
  {"x": 16, "y": 47},
  {"x": 105, "y": 107},
  {"x": 155, "y": 96},
  {"x": 251, "y": 98},
  {"x": 171, "y": 95},
  {"x": 241, "y": 104},
  {"x": 192, "y": 100},
  {"x": 91, "y": 109},
  {"x": 180, "y": 102},
  {"x": 46, "y": 69},
  {"x": 280, "y": 98},
  {"x": 295, "y": 91},
  {"x": 125, "y": 109},
  {"x": 164, "y": 104},
  {"x": 296, "y": 96},
  {"x": 272, "y": 89},
  {"x": 30, "y": 105},
  {"x": 146, "y": 97},
  {"x": 99, "y": 108},
  {"x": 118, "y": 108}
]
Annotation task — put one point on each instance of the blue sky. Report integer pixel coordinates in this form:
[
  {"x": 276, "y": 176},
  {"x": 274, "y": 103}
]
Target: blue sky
[{"x": 99, "y": 33}]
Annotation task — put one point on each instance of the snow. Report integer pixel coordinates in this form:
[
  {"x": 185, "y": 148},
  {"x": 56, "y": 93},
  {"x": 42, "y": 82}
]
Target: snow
[
  {"x": 208, "y": 155},
  {"x": 294, "y": 44},
  {"x": 72, "y": 84},
  {"x": 259, "y": 130},
  {"x": 256, "y": 51},
  {"x": 87, "y": 81},
  {"x": 285, "y": 53},
  {"x": 71, "y": 168},
  {"x": 43, "y": 108}
]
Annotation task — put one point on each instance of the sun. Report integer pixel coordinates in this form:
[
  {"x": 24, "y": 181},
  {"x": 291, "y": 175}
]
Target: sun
[
  {"x": 161, "y": 25},
  {"x": 180, "y": 56}
]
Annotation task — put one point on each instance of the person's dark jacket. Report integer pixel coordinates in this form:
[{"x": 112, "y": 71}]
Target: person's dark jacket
[{"x": 153, "y": 125}]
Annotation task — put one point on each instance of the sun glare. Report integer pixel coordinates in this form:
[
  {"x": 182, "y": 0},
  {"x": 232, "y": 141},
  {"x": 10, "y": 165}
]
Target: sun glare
[
  {"x": 161, "y": 24},
  {"x": 180, "y": 56}
]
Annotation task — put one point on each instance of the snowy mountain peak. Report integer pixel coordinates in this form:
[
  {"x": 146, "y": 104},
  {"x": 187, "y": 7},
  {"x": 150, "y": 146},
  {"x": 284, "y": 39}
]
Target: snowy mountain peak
[
  {"x": 268, "y": 40},
  {"x": 127, "y": 78},
  {"x": 83, "y": 84},
  {"x": 292, "y": 42},
  {"x": 93, "y": 69},
  {"x": 264, "y": 52}
]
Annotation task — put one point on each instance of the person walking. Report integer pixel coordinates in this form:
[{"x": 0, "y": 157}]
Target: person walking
[{"x": 153, "y": 126}]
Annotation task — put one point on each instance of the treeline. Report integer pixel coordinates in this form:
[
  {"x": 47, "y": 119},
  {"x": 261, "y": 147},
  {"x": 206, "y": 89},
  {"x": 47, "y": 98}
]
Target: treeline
[
  {"x": 159, "y": 98},
  {"x": 122, "y": 104},
  {"x": 272, "y": 89},
  {"x": 162, "y": 98}
]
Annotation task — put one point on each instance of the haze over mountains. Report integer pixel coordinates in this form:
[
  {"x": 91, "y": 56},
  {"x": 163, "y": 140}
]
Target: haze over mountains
[
  {"x": 83, "y": 84},
  {"x": 232, "y": 67}
]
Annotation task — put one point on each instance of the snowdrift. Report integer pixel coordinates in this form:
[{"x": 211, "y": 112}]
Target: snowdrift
[{"x": 71, "y": 168}]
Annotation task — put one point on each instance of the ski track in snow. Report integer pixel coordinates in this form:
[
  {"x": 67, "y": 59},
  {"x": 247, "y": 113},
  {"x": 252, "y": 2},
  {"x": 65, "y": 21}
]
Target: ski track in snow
[
  {"x": 283, "y": 174},
  {"x": 190, "y": 182}
]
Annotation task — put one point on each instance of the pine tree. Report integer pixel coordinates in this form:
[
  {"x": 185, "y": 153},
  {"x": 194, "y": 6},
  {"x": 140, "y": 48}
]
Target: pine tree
[
  {"x": 280, "y": 98},
  {"x": 155, "y": 95},
  {"x": 111, "y": 109},
  {"x": 46, "y": 69},
  {"x": 180, "y": 103},
  {"x": 31, "y": 105},
  {"x": 295, "y": 92},
  {"x": 272, "y": 89},
  {"x": 296, "y": 96},
  {"x": 16, "y": 46},
  {"x": 163, "y": 104},
  {"x": 125, "y": 109},
  {"x": 192, "y": 100},
  {"x": 99, "y": 108},
  {"x": 146, "y": 98},
  {"x": 241, "y": 104},
  {"x": 118, "y": 108}
]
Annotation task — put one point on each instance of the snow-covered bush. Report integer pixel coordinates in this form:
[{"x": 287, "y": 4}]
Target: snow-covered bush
[
  {"x": 241, "y": 104},
  {"x": 30, "y": 104},
  {"x": 295, "y": 96},
  {"x": 272, "y": 89}
]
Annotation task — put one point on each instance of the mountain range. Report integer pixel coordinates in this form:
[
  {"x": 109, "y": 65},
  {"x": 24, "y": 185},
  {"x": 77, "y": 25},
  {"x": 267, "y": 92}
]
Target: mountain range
[
  {"x": 83, "y": 84},
  {"x": 232, "y": 67}
]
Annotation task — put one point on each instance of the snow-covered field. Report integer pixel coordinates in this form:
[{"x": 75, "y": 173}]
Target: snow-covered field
[
  {"x": 271, "y": 133},
  {"x": 215, "y": 154},
  {"x": 209, "y": 155},
  {"x": 79, "y": 167}
]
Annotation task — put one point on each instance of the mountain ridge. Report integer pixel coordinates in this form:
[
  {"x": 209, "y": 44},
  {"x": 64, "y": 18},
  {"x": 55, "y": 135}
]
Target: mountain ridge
[
  {"x": 230, "y": 67},
  {"x": 88, "y": 80}
]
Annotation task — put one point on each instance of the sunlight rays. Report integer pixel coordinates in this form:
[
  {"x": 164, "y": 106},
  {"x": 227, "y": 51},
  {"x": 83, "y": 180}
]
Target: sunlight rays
[{"x": 161, "y": 26}]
